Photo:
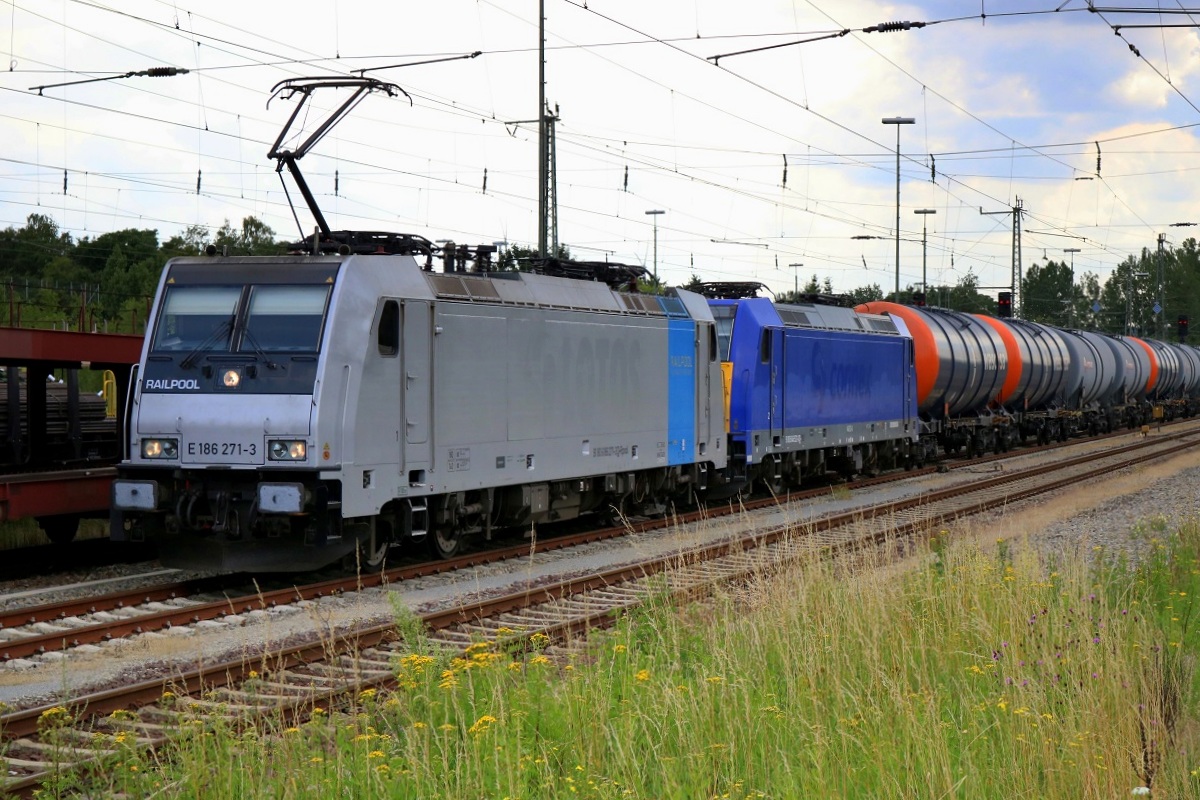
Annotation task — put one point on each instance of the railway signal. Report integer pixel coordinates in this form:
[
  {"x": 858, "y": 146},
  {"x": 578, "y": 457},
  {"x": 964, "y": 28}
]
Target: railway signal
[{"x": 1004, "y": 305}]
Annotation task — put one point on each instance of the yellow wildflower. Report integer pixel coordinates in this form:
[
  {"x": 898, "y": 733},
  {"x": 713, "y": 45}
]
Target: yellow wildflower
[{"x": 482, "y": 724}]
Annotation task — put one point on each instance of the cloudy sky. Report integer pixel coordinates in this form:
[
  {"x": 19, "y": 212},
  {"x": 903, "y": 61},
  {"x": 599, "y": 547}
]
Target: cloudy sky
[{"x": 760, "y": 160}]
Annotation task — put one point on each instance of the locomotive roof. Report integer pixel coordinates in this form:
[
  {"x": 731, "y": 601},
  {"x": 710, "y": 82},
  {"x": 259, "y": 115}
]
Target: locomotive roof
[
  {"x": 491, "y": 288},
  {"x": 833, "y": 318},
  {"x": 527, "y": 289}
]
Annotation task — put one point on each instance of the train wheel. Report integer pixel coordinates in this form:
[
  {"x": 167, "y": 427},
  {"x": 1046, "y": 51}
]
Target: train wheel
[
  {"x": 376, "y": 559},
  {"x": 373, "y": 550},
  {"x": 61, "y": 528},
  {"x": 445, "y": 543}
]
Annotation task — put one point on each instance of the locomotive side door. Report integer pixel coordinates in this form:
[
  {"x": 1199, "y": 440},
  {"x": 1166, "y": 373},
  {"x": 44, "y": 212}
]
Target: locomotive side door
[
  {"x": 416, "y": 383},
  {"x": 709, "y": 428},
  {"x": 778, "y": 397},
  {"x": 910, "y": 384},
  {"x": 705, "y": 357}
]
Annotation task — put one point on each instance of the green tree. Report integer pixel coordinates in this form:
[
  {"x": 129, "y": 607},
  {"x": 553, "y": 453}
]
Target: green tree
[
  {"x": 64, "y": 290},
  {"x": 866, "y": 294},
  {"x": 965, "y": 296},
  {"x": 114, "y": 284},
  {"x": 136, "y": 244},
  {"x": 1128, "y": 297},
  {"x": 25, "y": 252},
  {"x": 1087, "y": 288},
  {"x": 651, "y": 285},
  {"x": 254, "y": 238},
  {"x": 1047, "y": 294},
  {"x": 1183, "y": 284},
  {"x": 522, "y": 258},
  {"x": 191, "y": 242}
]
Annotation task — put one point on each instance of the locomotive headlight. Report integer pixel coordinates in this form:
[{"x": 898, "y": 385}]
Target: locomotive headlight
[
  {"x": 160, "y": 448},
  {"x": 231, "y": 378},
  {"x": 287, "y": 449}
]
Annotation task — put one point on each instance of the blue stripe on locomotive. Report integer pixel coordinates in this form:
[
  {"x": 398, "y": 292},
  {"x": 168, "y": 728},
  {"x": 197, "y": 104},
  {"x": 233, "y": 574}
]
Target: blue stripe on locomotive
[
  {"x": 828, "y": 377},
  {"x": 681, "y": 391}
]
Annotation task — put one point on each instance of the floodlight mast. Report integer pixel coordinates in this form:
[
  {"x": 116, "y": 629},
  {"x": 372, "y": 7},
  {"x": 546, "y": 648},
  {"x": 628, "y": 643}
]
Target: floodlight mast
[{"x": 305, "y": 87}]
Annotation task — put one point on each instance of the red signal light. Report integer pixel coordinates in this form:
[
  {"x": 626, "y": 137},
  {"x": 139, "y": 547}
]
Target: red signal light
[{"x": 1004, "y": 305}]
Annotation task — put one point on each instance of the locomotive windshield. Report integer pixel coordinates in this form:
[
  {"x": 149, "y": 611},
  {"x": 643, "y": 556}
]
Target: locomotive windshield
[
  {"x": 285, "y": 318},
  {"x": 197, "y": 318},
  {"x": 244, "y": 319}
]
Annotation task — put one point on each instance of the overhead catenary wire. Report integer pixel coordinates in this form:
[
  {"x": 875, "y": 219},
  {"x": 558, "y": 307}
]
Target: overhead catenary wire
[{"x": 741, "y": 185}]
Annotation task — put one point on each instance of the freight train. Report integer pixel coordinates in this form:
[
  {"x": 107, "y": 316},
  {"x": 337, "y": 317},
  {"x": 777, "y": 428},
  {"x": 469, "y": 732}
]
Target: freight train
[
  {"x": 57, "y": 438},
  {"x": 290, "y": 411}
]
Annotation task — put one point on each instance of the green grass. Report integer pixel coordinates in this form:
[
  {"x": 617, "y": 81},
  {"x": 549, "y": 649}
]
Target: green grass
[{"x": 974, "y": 675}]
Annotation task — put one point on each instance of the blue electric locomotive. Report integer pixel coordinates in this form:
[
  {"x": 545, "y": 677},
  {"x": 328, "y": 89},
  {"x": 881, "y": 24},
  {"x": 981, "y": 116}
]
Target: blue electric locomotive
[{"x": 812, "y": 389}]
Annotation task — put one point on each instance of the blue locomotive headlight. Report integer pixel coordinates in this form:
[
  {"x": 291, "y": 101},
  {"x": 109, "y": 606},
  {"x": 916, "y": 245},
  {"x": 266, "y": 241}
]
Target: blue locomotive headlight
[
  {"x": 160, "y": 448},
  {"x": 287, "y": 449},
  {"x": 231, "y": 378}
]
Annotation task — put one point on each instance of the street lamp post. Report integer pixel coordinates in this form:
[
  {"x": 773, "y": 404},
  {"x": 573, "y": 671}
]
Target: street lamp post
[
  {"x": 654, "y": 213},
  {"x": 924, "y": 212},
  {"x": 1071, "y": 290},
  {"x": 796, "y": 286},
  {"x": 898, "y": 121}
]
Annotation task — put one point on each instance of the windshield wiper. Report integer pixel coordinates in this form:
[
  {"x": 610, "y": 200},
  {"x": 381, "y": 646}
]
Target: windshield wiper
[
  {"x": 190, "y": 359},
  {"x": 249, "y": 337}
]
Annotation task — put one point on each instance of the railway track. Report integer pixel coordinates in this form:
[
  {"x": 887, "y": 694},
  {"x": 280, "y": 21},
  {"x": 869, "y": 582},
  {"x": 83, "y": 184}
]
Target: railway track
[
  {"x": 292, "y": 681},
  {"x": 57, "y": 627},
  {"x": 46, "y": 559}
]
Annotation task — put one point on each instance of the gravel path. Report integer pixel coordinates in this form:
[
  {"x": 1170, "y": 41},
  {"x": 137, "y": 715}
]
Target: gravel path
[{"x": 1114, "y": 513}]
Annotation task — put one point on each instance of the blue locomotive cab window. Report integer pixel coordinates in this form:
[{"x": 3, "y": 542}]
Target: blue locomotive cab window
[
  {"x": 285, "y": 318},
  {"x": 197, "y": 318}
]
